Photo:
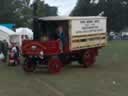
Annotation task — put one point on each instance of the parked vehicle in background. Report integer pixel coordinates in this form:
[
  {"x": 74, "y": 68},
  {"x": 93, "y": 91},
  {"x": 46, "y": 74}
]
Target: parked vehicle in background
[
  {"x": 115, "y": 36},
  {"x": 124, "y": 35}
]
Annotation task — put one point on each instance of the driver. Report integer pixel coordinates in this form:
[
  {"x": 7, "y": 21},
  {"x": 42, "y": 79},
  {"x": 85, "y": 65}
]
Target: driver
[{"x": 62, "y": 36}]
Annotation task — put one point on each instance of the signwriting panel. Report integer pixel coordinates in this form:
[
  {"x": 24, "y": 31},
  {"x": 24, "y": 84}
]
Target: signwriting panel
[{"x": 82, "y": 27}]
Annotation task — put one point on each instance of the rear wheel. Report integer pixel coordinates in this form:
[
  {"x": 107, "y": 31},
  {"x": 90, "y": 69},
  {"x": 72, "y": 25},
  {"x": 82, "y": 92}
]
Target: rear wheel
[
  {"x": 29, "y": 65},
  {"x": 55, "y": 65},
  {"x": 89, "y": 58}
]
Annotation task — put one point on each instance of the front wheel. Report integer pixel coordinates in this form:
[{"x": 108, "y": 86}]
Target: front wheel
[
  {"x": 29, "y": 65},
  {"x": 55, "y": 65}
]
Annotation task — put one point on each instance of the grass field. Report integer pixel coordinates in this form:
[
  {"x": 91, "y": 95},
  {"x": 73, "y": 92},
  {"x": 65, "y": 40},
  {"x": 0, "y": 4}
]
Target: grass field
[{"x": 109, "y": 77}]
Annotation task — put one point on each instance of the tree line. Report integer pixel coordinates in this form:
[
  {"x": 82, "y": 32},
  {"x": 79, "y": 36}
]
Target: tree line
[
  {"x": 115, "y": 10},
  {"x": 20, "y": 13}
]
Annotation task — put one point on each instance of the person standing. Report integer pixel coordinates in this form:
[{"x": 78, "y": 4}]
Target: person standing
[
  {"x": 5, "y": 49},
  {"x": 1, "y": 46},
  {"x": 1, "y": 51},
  {"x": 62, "y": 36}
]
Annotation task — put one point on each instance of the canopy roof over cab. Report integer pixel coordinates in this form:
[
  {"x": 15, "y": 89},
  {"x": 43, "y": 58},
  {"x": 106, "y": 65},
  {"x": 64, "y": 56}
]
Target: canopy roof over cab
[{"x": 62, "y": 18}]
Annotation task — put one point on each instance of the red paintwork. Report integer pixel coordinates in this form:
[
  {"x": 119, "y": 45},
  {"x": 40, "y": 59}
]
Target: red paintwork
[
  {"x": 49, "y": 47},
  {"x": 53, "y": 48}
]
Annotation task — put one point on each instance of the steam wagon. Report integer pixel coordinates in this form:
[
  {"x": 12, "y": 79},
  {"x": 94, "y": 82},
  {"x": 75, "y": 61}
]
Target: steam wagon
[{"x": 61, "y": 40}]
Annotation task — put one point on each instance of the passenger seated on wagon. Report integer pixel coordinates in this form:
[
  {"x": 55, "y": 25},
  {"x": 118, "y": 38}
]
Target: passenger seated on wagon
[{"x": 62, "y": 36}]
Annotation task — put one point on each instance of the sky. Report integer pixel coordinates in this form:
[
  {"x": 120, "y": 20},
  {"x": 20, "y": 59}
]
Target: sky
[{"x": 64, "y": 6}]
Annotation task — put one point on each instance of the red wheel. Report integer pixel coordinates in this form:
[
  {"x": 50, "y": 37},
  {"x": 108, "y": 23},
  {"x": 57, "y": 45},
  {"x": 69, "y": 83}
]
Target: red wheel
[
  {"x": 55, "y": 65},
  {"x": 29, "y": 65},
  {"x": 88, "y": 58}
]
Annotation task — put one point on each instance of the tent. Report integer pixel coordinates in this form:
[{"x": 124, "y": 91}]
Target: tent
[
  {"x": 5, "y": 33},
  {"x": 10, "y": 26},
  {"x": 25, "y": 32}
]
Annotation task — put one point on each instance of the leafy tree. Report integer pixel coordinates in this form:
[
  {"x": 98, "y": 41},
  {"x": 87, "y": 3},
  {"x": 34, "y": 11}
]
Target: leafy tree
[
  {"x": 115, "y": 10},
  {"x": 19, "y": 13}
]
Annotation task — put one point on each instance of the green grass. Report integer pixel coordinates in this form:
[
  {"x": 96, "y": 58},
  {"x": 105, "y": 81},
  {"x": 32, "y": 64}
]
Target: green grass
[{"x": 109, "y": 77}]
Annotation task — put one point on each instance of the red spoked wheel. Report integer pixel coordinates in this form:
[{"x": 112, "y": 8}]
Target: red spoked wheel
[
  {"x": 89, "y": 58},
  {"x": 29, "y": 65},
  {"x": 55, "y": 65}
]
